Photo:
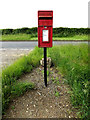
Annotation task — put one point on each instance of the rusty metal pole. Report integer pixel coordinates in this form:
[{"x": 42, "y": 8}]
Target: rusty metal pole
[{"x": 45, "y": 66}]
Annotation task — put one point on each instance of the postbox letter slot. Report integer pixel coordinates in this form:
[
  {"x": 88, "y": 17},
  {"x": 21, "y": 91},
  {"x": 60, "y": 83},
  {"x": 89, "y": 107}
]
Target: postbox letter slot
[{"x": 45, "y": 18}]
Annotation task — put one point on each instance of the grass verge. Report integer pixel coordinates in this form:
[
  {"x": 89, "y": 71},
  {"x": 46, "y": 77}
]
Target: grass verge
[
  {"x": 28, "y": 37},
  {"x": 11, "y": 74},
  {"x": 72, "y": 62}
]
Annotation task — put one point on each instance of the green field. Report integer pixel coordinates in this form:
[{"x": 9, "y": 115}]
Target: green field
[
  {"x": 70, "y": 60},
  {"x": 32, "y": 37}
]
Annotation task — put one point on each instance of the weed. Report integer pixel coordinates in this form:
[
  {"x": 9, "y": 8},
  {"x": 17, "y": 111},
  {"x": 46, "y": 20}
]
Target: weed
[
  {"x": 57, "y": 94},
  {"x": 52, "y": 78},
  {"x": 42, "y": 71},
  {"x": 54, "y": 81},
  {"x": 57, "y": 78},
  {"x": 47, "y": 79},
  {"x": 70, "y": 92},
  {"x": 47, "y": 72},
  {"x": 19, "y": 88},
  {"x": 12, "y": 107},
  {"x": 58, "y": 82}
]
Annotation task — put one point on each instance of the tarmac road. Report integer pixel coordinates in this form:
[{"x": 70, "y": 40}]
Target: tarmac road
[{"x": 31, "y": 44}]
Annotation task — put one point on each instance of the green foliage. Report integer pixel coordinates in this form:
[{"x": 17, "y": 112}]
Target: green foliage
[
  {"x": 11, "y": 74},
  {"x": 57, "y": 94},
  {"x": 58, "y": 82},
  {"x": 7, "y": 31},
  {"x": 35, "y": 56},
  {"x": 66, "y": 32},
  {"x": 48, "y": 73},
  {"x": 13, "y": 107},
  {"x": 19, "y": 88},
  {"x": 55, "y": 80},
  {"x": 20, "y": 30},
  {"x": 72, "y": 61},
  {"x": 14, "y": 71}
]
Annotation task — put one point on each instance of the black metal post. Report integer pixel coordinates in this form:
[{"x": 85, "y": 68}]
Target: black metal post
[{"x": 45, "y": 66}]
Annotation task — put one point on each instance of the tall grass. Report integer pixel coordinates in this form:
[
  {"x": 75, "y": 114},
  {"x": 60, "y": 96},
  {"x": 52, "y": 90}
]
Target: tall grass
[
  {"x": 72, "y": 61},
  {"x": 12, "y": 73}
]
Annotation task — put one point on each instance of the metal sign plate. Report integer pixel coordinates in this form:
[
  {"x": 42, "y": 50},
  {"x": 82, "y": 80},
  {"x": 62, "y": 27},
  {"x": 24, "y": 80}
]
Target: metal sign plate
[{"x": 45, "y": 36}]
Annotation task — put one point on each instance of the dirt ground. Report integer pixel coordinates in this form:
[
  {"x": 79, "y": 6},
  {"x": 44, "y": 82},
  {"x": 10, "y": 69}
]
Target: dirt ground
[{"x": 52, "y": 101}]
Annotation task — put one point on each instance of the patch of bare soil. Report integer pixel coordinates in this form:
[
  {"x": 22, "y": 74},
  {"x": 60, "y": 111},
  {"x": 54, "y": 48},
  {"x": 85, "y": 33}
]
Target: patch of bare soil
[
  {"x": 52, "y": 101},
  {"x": 8, "y": 56}
]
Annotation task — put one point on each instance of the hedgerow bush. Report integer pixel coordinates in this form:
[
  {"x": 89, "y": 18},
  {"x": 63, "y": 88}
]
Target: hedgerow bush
[
  {"x": 66, "y": 32},
  {"x": 7, "y": 31}
]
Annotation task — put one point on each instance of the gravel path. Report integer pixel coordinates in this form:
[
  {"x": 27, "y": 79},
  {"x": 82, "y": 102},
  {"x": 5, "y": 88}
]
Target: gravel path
[{"x": 43, "y": 102}]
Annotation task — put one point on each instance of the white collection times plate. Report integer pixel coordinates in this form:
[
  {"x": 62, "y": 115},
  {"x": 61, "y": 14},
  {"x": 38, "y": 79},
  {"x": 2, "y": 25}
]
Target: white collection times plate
[{"x": 45, "y": 36}]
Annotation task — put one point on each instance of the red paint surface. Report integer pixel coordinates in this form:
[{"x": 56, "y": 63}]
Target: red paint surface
[{"x": 45, "y": 22}]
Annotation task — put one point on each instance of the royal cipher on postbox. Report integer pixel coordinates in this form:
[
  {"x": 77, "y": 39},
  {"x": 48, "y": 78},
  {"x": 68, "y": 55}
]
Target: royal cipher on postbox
[{"x": 45, "y": 28}]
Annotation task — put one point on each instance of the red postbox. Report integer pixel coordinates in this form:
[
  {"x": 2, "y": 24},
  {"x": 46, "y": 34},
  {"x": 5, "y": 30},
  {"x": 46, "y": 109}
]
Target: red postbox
[{"x": 45, "y": 28}]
